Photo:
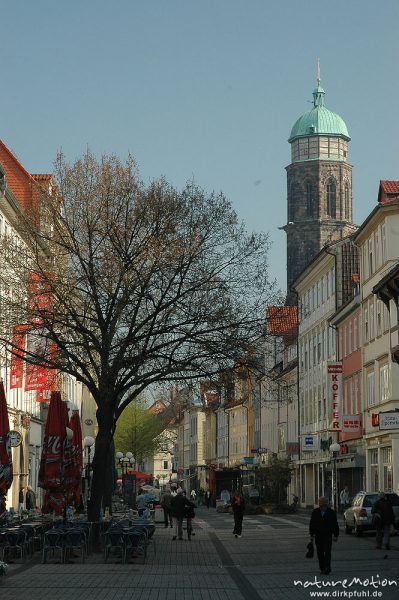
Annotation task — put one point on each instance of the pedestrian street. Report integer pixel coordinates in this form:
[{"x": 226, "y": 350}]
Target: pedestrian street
[{"x": 267, "y": 562}]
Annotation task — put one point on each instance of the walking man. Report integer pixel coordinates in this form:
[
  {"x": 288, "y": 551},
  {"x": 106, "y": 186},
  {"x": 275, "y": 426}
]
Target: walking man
[
  {"x": 384, "y": 517},
  {"x": 208, "y": 498},
  {"x": 166, "y": 505},
  {"x": 238, "y": 506},
  {"x": 323, "y": 528},
  {"x": 178, "y": 504}
]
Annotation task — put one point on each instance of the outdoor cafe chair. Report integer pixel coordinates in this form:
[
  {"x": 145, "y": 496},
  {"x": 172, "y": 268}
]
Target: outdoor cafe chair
[
  {"x": 74, "y": 539},
  {"x": 3, "y": 543},
  {"x": 53, "y": 540},
  {"x": 16, "y": 541},
  {"x": 135, "y": 543},
  {"x": 30, "y": 538},
  {"x": 113, "y": 539}
]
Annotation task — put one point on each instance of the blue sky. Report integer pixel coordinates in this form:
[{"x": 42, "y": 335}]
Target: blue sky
[{"x": 202, "y": 88}]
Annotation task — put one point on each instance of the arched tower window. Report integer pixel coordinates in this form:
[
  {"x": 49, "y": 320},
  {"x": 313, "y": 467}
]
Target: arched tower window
[
  {"x": 331, "y": 198},
  {"x": 346, "y": 202},
  {"x": 293, "y": 201},
  {"x": 309, "y": 200}
]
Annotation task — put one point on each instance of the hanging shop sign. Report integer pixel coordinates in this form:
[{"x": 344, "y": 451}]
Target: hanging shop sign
[
  {"x": 308, "y": 443},
  {"x": 389, "y": 420},
  {"x": 351, "y": 424},
  {"x": 334, "y": 382}
]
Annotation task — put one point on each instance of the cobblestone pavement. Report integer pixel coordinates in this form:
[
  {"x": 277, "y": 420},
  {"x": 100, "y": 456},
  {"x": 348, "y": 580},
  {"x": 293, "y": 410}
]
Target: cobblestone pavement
[{"x": 268, "y": 562}]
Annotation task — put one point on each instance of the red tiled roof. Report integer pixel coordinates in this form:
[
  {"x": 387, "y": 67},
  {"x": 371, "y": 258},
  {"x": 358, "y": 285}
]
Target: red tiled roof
[
  {"x": 282, "y": 320},
  {"x": 22, "y": 184},
  {"x": 388, "y": 192}
]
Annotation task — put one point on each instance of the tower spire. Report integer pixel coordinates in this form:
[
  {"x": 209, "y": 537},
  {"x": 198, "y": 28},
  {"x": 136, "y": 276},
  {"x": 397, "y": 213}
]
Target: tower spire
[{"x": 318, "y": 94}]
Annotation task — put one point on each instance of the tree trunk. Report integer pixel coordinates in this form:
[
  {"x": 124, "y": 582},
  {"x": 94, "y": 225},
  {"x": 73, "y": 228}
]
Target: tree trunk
[{"x": 101, "y": 461}]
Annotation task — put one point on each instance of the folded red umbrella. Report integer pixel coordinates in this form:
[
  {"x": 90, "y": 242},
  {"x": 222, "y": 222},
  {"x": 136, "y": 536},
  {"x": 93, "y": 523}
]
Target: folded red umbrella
[
  {"x": 6, "y": 473},
  {"x": 74, "y": 464},
  {"x": 54, "y": 453}
]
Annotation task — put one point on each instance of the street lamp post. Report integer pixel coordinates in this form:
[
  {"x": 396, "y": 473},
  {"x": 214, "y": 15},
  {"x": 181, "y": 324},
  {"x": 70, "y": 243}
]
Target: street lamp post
[
  {"x": 124, "y": 462},
  {"x": 88, "y": 442},
  {"x": 334, "y": 449}
]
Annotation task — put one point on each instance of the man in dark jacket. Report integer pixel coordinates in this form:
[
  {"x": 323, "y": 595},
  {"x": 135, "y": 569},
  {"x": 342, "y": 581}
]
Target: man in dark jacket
[
  {"x": 178, "y": 504},
  {"x": 323, "y": 527},
  {"x": 384, "y": 517},
  {"x": 166, "y": 503}
]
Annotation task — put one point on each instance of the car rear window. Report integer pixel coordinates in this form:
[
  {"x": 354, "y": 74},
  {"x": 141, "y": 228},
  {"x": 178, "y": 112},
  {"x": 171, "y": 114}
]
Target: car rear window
[{"x": 370, "y": 500}]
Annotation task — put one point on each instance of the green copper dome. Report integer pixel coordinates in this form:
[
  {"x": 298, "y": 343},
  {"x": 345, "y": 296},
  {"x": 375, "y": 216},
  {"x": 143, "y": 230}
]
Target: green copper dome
[{"x": 319, "y": 120}]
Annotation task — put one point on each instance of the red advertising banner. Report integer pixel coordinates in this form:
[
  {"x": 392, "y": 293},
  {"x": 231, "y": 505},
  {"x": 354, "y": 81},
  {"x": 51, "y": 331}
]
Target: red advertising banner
[
  {"x": 17, "y": 364},
  {"x": 334, "y": 382},
  {"x": 40, "y": 291},
  {"x": 40, "y": 378}
]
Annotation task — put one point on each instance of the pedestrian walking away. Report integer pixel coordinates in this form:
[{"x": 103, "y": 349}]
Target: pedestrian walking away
[
  {"x": 21, "y": 500},
  {"x": 344, "y": 499},
  {"x": 189, "y": 513},
  {"x": 166, "y": 501},
  {"x": 384, "y": 519},
  {"x": 141, "y": 502},
  {"x": 323, "y": 528},
  {"x": 178, "y": 506},
  {"x": 30, "y": 498},
  {"x": 238, "y": 506},
  {"x": 208, "y": 498}
]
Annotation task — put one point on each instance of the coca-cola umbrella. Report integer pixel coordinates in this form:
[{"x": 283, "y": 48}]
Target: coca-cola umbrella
[
  {"x": 54, "y": 456},
  {"x": 5, "y": 450},
  {"x": 73, "y": 471}
]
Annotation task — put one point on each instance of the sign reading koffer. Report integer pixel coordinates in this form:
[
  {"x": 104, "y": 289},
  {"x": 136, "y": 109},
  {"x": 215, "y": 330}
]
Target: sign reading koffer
[{"x": 334, "y": 379}]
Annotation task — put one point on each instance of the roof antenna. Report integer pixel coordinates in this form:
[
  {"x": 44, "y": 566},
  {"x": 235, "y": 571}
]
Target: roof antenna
[{"x": 318, "y": 72}]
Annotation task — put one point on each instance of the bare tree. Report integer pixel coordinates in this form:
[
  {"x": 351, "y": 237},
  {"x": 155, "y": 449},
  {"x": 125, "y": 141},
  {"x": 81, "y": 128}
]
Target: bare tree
[{"x": 147, "y": 284}]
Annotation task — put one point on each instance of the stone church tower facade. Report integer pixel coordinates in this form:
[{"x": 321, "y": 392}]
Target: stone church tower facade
[{"x": 319, "y": 187}]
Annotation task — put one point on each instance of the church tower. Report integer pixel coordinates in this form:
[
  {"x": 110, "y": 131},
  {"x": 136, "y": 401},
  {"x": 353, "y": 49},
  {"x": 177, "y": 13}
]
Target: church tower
[{"x": 319, "y": 186}]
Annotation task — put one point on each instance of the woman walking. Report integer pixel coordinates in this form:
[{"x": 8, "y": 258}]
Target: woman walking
[{"x": 238, "y": 506}]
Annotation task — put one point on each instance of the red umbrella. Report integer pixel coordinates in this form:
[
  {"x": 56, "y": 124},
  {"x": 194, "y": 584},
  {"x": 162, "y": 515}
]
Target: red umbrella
[
  {"x": 5, "y": 450},
  {"x": 73, "y": 473},
  {"x": 52, "y": 463}
]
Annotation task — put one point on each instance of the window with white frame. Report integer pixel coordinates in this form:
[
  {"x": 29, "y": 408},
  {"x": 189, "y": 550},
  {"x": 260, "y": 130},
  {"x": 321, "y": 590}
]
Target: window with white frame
[
  {"x": 384, "y": 383},
  {"x": 377, "y": 249},
  {"x": 386, "y": 318},
  {"x": 355, "y": 406},
  {"x": 355, "y": 340},
  {"x": 386, "y": 459},
  {"x": 383, "y": 245},
  {"x": 365, "y": 262},
  {"x": 340, "y": 343},
  {"x": 350, "y": 337},
  {"x": 366, "y": 324},
  {"x": 370, "y": 257},
  {"x": 379, "y": 318},
  {"x": 371, "y": 321},
  {"x": 373, "y": 462},
  {"x": 370, "y": 388}
]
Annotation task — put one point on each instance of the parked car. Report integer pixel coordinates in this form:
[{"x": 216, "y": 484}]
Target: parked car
[{"x": 358, "y": 517}]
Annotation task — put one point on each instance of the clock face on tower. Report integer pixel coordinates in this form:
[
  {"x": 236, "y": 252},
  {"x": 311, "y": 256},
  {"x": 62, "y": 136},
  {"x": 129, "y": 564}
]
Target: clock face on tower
[{"x": 15, "y": 438}]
